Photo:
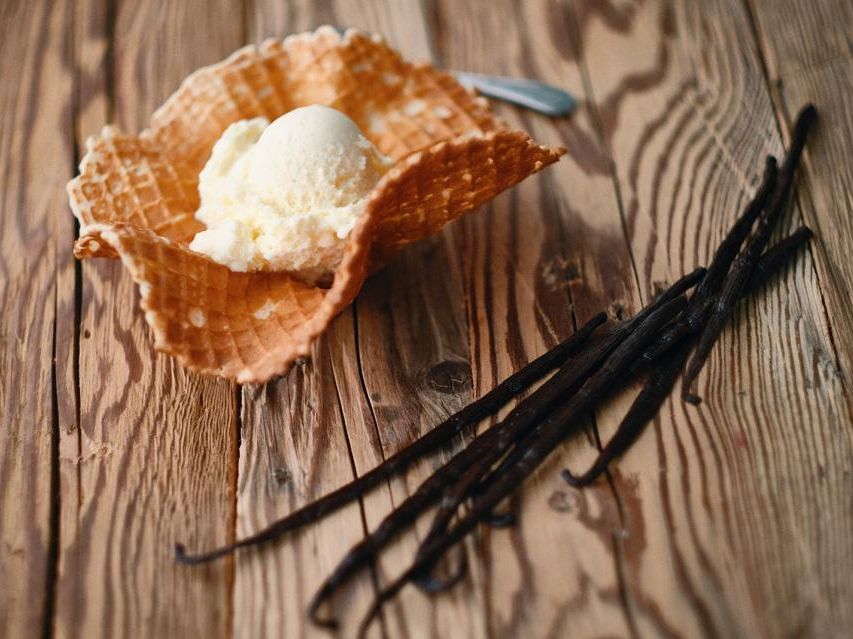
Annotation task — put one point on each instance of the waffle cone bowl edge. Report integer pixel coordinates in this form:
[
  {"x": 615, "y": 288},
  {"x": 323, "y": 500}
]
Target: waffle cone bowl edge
[{"x": 136, "y": 196}]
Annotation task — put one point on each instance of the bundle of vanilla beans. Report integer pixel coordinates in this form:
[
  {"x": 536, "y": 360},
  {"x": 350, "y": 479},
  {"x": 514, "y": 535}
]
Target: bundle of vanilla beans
[{"x": 674, "y": 333}]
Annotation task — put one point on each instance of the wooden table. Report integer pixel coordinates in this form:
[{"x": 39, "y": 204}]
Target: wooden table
[{"x": 731, "y": 519}]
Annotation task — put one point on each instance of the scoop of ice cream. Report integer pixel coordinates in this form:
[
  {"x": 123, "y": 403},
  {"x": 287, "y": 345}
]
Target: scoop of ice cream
[{"x": 284, "y": 196}]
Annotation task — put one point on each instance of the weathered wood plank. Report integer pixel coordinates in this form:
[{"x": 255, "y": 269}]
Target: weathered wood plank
[
  {"x": 35, "y": 162},
  {"x": 412, "y": 358},
  {"x": 405, "y": 333},
  {"x": 154, "y": 458},
  {"x": 89, "y": 113},
  {"x": 409, "y": 331},
  {"x": 317, "y": 424},
  {"x": 293, "y": 450},
  {"x": 734, "y": 511},
  {"x": 542, "y": 257},
  {"x": 808, "y": 50}
]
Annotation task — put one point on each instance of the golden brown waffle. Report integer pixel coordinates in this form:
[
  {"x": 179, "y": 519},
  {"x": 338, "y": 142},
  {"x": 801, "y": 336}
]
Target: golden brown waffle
[{"x": 136, "y": 196}]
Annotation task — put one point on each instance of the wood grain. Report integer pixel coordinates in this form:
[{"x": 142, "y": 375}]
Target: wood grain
[
  {"x": 808, "y": 51},
  {"x": 34, "y": 164},
  {"x": 732, "y": 509},
  {"x": 153, "y": 460},
  {"x": 293, "y": 449}
]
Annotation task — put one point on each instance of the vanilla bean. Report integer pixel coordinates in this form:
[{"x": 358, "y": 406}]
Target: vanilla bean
[
  {"x": 670, "y": 336},
  {"x": 472, "y": 479},
  {"x": 691, "y": 321},
  {"x": 503, "y": 519},
  {"x": 698, "y": 310},
  {"x": 491, "y": 444},
  {"x": 507, "y": 517},
  {"x": 431, "y": 584},
  {"x": 526, "y": 413},
  {"x": 430, "y": 489},
  {"x": 777, "y": 256},
  {"x": 662, "y": 377},
  {"x": 646, "y": 405},
  {"x": 696, "y": 313},
  {"x": 678, "y": 288},
  {"x": 480, "y": 474},
  {"x": 730, "y": 246},
  {"x": 745, "y": 263},
  {"x": 555, "y": 428},
  {"x": 449, "y": 504},
  {"x": 477, "y": 410}
]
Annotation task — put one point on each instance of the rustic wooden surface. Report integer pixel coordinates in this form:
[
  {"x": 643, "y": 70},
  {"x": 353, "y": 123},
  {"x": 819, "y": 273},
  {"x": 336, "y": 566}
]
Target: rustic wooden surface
[{"x": 732, "y": 519}]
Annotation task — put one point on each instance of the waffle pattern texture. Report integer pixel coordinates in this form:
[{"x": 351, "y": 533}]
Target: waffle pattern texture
[{"x": 136, "y": 196}]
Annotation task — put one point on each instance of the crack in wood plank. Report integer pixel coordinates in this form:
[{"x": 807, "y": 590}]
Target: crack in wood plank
[
  {"x": 34, "y": 296},
  {"x": 126, "y": 472}
]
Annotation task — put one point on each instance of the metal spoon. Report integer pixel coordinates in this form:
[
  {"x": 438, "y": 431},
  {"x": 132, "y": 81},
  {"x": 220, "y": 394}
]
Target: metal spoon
[{"x": 530, "y": 94}]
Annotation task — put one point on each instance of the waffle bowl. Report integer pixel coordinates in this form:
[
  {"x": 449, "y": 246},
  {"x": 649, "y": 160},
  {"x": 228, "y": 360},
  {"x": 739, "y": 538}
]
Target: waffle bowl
[{"x": 136, "y": 196}]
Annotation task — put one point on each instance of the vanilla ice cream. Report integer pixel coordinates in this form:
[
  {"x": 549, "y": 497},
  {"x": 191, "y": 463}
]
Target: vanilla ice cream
[{"x": 284, "y": 196}]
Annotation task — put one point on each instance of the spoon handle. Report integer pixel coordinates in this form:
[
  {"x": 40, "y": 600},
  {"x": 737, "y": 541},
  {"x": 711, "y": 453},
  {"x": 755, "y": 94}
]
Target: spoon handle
[{"x": 531, "y": 94}]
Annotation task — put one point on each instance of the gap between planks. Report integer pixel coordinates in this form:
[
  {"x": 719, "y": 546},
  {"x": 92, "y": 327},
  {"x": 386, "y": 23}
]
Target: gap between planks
[
  {"x": 62, "y": 218},
  {"x": 595, "y": 116}
]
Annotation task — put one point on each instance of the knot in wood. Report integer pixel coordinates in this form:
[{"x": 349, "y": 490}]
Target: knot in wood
[
  {"x": 282, "y": 475},
  {"x": 449, "y": 376},
  {"x": 562, "y": 502}
]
